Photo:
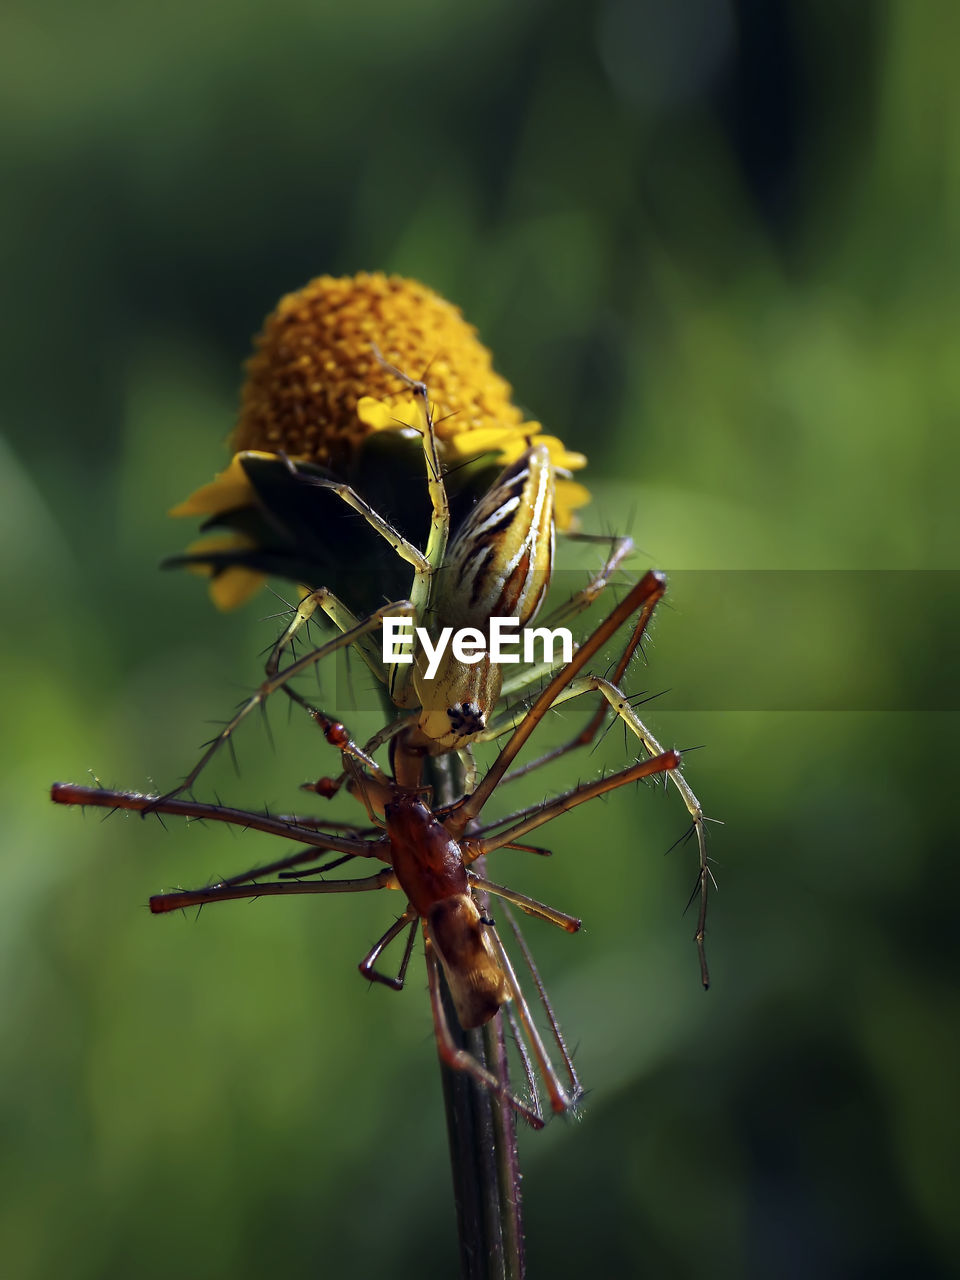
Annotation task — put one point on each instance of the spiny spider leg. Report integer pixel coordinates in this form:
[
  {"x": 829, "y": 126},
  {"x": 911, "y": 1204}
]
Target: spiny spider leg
[
  {"x": 560, "y": 1101},
  {"x": 394, "y": 539},
  {"x": 440, "y": 508},
  {"x": 102, "y": 798},
  {"x": 525, "y": 1060},
  {"x": 328, "y": 824},
  {"x": 179, "y": 898},
  {"x": 282, "y": 867},
  {"x": 322, "y": 870},
  {"x": 531, "y": 848},
  {"x": 621, "y": 547},
  {"x": 459, "y": 1059},
  {"x": 642, "y": 597},
  {"x": 642, "y": 600},
  {"x": 582, "y": 599},
  {"x": 280, "y": 678},
  {"x": 592, "y": 728},
  {"x": 426, "y": 563},
  {"x": 537, "y": 815},
  {"x": 570, "y": 924},
  {"x": 343, "y": 618},
  {"x": 576, "y": 1089}
]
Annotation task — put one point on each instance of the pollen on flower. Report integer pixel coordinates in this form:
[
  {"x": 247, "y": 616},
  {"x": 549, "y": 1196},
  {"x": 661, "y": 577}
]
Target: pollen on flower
[
  {"x": 315, "y": 388},
  {"x": 315, "y": 363}
]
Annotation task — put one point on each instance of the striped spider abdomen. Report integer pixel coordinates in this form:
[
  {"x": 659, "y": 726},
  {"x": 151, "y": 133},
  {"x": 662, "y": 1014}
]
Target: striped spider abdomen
[{"x": 498, "y": 566}]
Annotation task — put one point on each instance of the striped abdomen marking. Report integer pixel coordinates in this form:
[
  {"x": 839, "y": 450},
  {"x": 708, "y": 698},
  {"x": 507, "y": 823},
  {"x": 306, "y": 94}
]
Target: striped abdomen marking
[
  {"x": 498, "y": 566},
  {"x": 500, "y": 562}
]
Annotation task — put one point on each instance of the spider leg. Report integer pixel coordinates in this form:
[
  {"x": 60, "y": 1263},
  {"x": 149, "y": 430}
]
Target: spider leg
[
  {"x": 583, "y": 599},
  {"x": 621, "y": 547},
  {"x": 567, "y": 683},
  {"x": 537, "y": 815},
  {"x": 642, "y": 599},
  {"x": 458, "y": 1059},
  {"x": 287, "y": 827},
  {"x": 279, "y": 678},
  {"x": 560, "y": 1100},
  {"x": 400, "y": 677},
  {"x": 342, "y": 618},
  {"x": 529, "y": 1073},
  {"x": 226, "y": 892},
  {"x": 590, "y": 731},
  {"x": 328, "y": 787},
  {"x": 366, "y": 966},
  {"x": 576, "y": 1089},
  {"x": 394, "y": 539},
  {"x": 530, "y": 905}
]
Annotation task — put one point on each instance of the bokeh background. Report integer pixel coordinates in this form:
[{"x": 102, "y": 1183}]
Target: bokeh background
[{"x": 712, "y": 243}]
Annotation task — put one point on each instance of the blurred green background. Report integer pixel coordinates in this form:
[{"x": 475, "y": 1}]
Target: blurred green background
[{"x": 714, "y": 244}]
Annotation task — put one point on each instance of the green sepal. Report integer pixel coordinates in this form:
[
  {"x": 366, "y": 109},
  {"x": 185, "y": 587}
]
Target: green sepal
[{"x": 306, "y": 534}]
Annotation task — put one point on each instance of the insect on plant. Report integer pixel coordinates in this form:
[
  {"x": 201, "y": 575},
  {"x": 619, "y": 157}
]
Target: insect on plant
[{"x": 498, "y": 564}]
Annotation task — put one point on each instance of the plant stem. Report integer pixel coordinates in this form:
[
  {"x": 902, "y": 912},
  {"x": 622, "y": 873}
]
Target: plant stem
[{"x": 481, "y": 1132}]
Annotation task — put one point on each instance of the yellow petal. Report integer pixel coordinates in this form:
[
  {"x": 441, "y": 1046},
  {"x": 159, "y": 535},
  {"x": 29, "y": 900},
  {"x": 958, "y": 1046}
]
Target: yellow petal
[
  {"x": 235, "y": 586},
  {"x": 232, "y": 586},
  {"x": 229, "y": 490},
  {"x": 560, "y": 455},
  {"x": 570, "y": 495},
  {"x": 505, "y": 440},
  {"x": 390, "y": 414}
]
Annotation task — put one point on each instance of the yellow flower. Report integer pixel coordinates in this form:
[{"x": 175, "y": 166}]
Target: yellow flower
[
  {"x": 228, "y": 489},
  {"x": 316, "y": 391},
  {"x": 234, "y": 585}
]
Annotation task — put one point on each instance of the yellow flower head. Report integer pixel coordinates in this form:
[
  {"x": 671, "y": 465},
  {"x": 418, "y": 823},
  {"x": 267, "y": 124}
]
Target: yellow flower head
[{"x": 316, "y": 390}]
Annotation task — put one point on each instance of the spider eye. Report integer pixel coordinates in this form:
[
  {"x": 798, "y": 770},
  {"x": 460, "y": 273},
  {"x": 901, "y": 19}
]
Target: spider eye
[{"x": 466, "y": 718}]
